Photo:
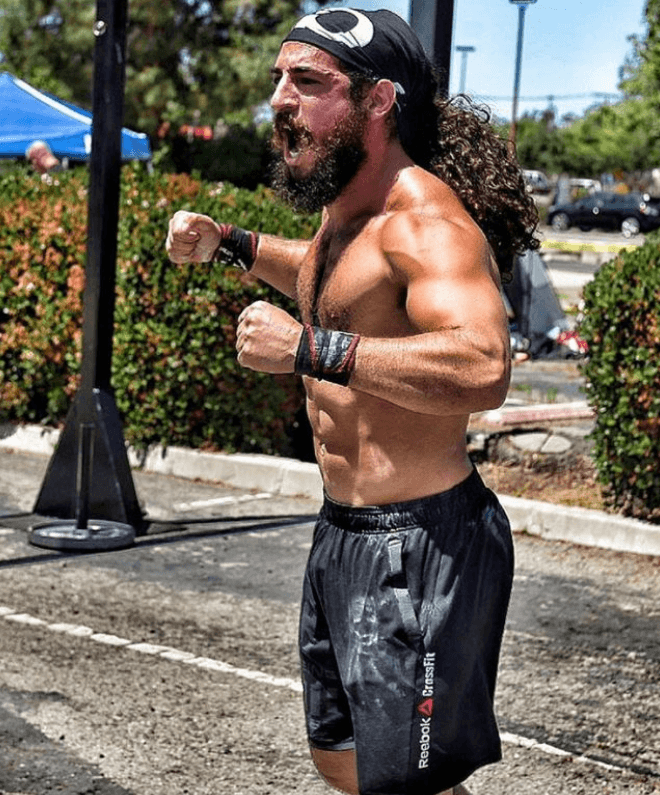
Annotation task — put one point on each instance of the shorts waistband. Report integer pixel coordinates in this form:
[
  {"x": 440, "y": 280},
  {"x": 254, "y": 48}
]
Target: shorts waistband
[{"x": 463, "y": 498}]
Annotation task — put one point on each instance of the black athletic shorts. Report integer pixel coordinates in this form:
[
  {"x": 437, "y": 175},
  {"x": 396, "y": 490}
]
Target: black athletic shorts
[{"x": 401, "y": 624}]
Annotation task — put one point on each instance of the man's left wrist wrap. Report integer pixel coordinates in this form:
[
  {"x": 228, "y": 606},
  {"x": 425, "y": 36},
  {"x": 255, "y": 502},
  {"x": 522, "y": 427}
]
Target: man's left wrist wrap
[
  {"x": 326, "y": 355},
  {"x": 237, "y": 247}
]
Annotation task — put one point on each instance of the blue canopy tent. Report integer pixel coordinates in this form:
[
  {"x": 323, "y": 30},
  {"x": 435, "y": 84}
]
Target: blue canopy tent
[{"x": 31, "y": 115}]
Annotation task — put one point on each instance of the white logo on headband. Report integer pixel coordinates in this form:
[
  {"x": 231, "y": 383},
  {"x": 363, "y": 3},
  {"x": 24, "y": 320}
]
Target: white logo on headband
[{"x": 358, "y": 36}]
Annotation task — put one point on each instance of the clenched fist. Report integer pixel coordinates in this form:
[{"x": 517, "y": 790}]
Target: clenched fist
[
  {"x": 267, "y": 339},
  {"x": 192, "y": 237}
]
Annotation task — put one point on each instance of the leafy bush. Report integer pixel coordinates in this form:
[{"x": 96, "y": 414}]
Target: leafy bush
[
  {"x": 41, "y": 281},
  {"x": 622, "y": 328},
  {"x": 175, "y": 373}
]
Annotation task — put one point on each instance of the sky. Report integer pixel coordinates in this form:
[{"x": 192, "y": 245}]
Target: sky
[{"x": 572, "y": 49}]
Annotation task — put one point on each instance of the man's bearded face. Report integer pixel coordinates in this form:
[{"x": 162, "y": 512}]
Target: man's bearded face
[{"x": 338, "y": 157}]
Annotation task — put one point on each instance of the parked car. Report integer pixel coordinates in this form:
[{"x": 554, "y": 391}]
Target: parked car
[
  {"x": 630, "y": 213},
  {"x": 536, "y": 181},
  {"x": 583, "y": 184}
]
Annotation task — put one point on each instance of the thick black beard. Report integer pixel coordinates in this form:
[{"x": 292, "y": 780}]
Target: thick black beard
[
  {"x": 323, "y": 186},
  {"x": 338, "y": 161}
]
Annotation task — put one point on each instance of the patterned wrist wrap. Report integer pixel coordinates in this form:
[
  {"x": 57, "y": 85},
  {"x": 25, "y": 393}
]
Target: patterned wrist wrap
[
  {"x": 237, "y": 247},
  {"x": 326, "y": 355}
]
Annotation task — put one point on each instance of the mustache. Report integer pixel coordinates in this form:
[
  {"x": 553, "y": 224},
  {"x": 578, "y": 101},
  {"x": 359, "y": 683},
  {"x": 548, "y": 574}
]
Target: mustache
[{"x": 286, "y": 128}]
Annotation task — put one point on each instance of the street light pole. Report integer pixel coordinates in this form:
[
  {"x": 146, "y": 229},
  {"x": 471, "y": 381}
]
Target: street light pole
[
  {"x": 522, "y": 7},
  {"x": 464, "y": 51}
]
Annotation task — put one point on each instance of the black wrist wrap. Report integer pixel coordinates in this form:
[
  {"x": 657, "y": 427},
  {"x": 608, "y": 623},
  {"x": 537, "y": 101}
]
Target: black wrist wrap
[
  {"x": 326, "y": 355},
  {"x": 238, "y": 247}
]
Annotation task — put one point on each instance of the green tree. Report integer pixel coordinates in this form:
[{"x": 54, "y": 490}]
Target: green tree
[
  {"x": 539, "y": 143},
  {"x": 641, "y": 72},
  {"x": 48, "y": 46},
  {"x": 187, "y": 60}
]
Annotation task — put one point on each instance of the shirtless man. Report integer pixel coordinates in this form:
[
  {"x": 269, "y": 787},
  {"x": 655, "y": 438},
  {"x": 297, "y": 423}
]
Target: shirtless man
[{"x": 402, "y": 335}]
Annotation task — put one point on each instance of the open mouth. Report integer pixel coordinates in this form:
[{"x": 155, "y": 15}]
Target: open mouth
[
  {"x": 292, "y": 142},
  {"x": 291, "y": 139}
]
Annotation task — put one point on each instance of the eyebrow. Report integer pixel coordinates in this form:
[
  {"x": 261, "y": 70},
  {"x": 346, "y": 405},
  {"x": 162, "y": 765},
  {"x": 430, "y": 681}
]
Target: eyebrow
[{"x": 299, "y": 70}]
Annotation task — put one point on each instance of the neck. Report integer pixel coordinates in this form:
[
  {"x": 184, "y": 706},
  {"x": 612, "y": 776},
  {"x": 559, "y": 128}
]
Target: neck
[{"x": 367, "y": 193}]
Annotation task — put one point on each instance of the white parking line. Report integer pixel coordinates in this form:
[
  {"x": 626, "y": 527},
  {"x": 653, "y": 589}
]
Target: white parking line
[
  {"x": 534, "y": 745},
  {"x": 166, "y": 652},
  {"x": 183, "y": 507},
  {"x": 209, "y": 664}
]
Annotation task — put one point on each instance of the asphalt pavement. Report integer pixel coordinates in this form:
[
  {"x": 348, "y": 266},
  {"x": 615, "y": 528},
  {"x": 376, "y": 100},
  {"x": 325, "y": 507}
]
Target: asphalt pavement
[{"x": 170, "y": 666}]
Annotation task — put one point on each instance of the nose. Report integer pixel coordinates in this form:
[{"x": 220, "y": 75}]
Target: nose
[{"x": 284, "y": 97}]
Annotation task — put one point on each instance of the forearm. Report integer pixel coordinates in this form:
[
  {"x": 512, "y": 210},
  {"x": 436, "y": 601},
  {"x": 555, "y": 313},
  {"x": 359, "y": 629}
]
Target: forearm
[
  {"x": 278, "y": 262},
  {"x": 193, "y": 237},
  {"x": 433, "y": 373},
  {"x": 439, "y": 373}
]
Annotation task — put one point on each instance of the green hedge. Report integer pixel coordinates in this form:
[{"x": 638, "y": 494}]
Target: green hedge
[
  {"x": 175, "y": 373},
  {"x": 622, "y": 327}
]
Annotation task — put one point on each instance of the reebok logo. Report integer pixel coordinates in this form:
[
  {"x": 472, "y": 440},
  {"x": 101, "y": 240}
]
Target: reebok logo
[{"x": 426, "y": 708}]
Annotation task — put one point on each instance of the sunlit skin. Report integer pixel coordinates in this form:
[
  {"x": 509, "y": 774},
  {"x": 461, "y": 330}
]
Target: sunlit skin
[
  {"x": 399, "y": 261},
  {"x": 322, "y": 88}
]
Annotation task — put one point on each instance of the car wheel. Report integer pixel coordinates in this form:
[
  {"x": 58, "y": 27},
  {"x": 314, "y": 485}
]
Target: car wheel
[
  {"x": 586, "y": 228},
  {"x": 560, "y": 222},
  {"x": 630, "y": 227}
]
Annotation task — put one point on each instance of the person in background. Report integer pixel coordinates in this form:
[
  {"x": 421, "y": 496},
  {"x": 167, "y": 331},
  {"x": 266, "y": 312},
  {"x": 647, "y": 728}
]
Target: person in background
[{"x": 40, "y": 156}]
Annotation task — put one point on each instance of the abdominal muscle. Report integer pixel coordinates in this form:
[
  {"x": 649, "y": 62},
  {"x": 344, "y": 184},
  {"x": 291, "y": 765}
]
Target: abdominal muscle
[{"x": 372, "y": 452}]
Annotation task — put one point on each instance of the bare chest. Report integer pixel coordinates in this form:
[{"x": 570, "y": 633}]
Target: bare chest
[{"x": 346, "y": 283}]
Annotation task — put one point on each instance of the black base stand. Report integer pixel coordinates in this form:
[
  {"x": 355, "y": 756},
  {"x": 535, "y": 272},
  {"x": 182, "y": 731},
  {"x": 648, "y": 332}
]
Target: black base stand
[{"x": 89, "y": 475}]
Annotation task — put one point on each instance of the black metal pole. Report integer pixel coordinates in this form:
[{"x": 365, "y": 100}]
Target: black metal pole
[
  {"x": 110, "y": 492},
  {"x": 84, "y": 474},
  {"x": 103, "y": 200},
  {"x": 444, "y": 28},
  {"x": 434, "y": 24}
]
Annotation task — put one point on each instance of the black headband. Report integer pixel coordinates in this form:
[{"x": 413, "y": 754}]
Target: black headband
[{"x": 378, "y": 44}]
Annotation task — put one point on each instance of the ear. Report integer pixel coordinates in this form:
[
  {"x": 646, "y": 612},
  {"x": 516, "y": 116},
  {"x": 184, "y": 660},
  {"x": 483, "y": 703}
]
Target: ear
[{"x": 382, "y": 98}]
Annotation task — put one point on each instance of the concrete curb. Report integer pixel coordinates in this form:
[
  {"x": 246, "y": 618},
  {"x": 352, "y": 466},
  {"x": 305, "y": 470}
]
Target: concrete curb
[
  {"x": 282, "y": 476},
  {"x": 581, "y": 526},
  {"x": 291, "y": 478},
  {"x": 538, "y": 412}
]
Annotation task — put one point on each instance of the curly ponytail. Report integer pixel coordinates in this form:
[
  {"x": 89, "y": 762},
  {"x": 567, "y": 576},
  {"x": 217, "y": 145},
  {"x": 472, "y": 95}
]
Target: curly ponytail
[
  {"x": 454, "y": 139},
  {"x": 479, "y": 166}
]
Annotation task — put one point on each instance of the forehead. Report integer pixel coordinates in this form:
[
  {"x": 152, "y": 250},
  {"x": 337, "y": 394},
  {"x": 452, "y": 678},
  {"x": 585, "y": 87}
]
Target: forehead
[{"x": 298, "y": 55}]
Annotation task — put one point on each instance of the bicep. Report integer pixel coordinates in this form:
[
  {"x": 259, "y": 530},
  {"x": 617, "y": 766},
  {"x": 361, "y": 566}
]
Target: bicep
[
  {"x": 459, "y": 301},
  {"x": 451, "y": 281}
]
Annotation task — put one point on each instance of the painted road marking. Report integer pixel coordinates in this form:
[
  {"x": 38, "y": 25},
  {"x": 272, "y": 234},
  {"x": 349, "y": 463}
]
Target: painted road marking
[
  {"x": 183, "y": 507},
  {"x": 582, "y": 245},
  {"x": 166, "y": 652},
  {"x": 209, "y": 664}
]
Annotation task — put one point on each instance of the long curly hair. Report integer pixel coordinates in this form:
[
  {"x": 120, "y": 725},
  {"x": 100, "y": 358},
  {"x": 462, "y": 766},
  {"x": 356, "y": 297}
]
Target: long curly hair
[{"x": 455, "y": 140}]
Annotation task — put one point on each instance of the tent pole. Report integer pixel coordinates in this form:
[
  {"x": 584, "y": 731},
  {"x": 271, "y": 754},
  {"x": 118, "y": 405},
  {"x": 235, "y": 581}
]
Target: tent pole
[{"x": 110, "y": 492}]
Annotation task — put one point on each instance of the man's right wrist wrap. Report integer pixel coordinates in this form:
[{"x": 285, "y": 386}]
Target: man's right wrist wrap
[
  {"x": 237, "y": 247},
  {"x": 326, "y": 355}
]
